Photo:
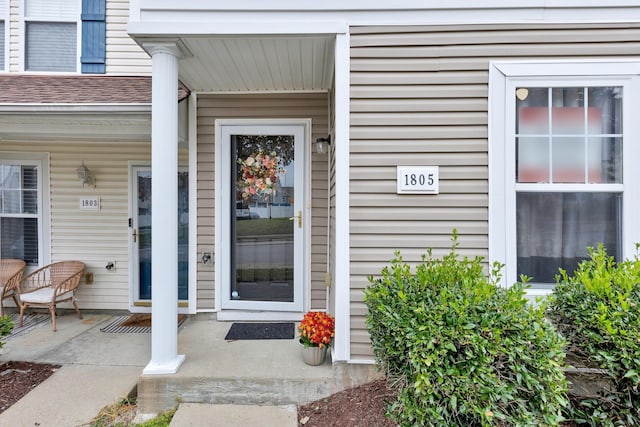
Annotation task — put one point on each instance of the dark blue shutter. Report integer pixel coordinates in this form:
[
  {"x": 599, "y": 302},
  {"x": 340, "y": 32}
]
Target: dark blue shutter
[{"x": 94, "y": 36}]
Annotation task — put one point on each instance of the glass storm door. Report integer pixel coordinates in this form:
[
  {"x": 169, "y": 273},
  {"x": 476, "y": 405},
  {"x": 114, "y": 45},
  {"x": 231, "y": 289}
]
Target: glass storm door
[
  {"x": 141, "y": 235},
  {"x": 263, "y": 217}
]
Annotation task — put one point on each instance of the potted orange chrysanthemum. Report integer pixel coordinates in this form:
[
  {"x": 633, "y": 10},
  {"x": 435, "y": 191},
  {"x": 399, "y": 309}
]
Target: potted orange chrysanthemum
[{"x": 317, "y": 330}]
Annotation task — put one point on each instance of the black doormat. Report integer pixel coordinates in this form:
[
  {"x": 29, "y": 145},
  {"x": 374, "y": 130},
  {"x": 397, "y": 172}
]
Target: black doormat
[{"x": 260, "y": 331}]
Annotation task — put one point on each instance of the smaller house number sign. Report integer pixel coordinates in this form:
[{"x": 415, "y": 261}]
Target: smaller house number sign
[
  {"x": 417, "y": 180},
  {"x": 90, "y": 203}
]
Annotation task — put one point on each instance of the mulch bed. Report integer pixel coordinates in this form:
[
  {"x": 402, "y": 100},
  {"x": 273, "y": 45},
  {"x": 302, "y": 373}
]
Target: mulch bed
[
  {"x": 19, "y": 378},
  {"x": 356, "y": 407}
]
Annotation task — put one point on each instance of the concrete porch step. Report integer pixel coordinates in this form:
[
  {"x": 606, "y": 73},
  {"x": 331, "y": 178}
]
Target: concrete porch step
[
  {"x": 157, "y": 394},
  {"x": 260, "y": 372}
]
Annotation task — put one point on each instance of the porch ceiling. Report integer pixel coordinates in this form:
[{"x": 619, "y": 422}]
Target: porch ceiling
[{"x": 267, "y": 63}]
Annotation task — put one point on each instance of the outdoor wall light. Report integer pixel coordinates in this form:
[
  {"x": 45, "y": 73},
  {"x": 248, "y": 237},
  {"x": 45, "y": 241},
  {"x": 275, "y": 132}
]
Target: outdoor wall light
[
  {"x": 86, "y": 176},
  {"x": 322, "y": 144}
]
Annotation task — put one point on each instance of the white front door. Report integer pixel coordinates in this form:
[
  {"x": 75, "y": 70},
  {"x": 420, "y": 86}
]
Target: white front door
[{"x": 262, "y": 214}]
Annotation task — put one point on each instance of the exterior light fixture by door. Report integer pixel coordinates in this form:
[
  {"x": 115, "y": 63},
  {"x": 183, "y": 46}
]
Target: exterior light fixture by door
[
  {"x": 86, "y": 176},
  {"x": 322, "y": 144}
]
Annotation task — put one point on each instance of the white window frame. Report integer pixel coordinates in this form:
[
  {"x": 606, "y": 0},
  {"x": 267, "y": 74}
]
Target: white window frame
[
  {"x": 23, "y": 39},
  {"x": 41, "y": 161},
  {"x": 504, "y": 77}
]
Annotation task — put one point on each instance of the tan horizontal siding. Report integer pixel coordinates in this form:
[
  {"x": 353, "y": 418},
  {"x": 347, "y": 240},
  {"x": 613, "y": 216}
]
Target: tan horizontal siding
[
  {"x": 436, "y": 158},
  {"x": 446, "y": 172},
  {"x": 419, "y": 96},
  {"x": 419, "y": 91},
  {"x": 409, "y": 78},
  {"x": 272, "y": 106},
  {"x": 490, "y": 33},
  {"x": 458, "y": 211},
  {"x": 419, "y": 119},
  {"x": 411, "y": 146},
  {"x": 416, "y": 105}
]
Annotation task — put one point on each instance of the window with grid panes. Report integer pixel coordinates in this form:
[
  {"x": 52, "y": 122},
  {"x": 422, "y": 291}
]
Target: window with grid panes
[
  {"x": 19, "y": 211},
  {"x": 563, "y": 178},
  {"x": 51, "y": 35}
]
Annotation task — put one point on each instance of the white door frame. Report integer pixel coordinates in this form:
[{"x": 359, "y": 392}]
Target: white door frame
[
  {"x": 136, "y": 305},
  {"x": 257, "y": 310}
]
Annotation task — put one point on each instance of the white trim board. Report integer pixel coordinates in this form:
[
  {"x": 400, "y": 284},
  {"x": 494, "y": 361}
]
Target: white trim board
[{"x": 334, "y": 17}]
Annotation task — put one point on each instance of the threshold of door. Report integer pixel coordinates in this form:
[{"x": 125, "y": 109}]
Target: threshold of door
[
  {"x": 245, "y": 315},
  {"x": 148, "y": 303}
]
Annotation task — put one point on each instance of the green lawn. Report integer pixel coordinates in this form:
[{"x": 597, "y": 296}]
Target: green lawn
[{"x": 263, "y": 227}]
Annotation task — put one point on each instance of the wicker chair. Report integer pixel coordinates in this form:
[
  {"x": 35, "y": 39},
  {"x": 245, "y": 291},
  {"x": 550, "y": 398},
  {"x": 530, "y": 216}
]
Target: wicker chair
[
  {"x": 51, "y": 285},
  {"x": 11, "y": 271}
]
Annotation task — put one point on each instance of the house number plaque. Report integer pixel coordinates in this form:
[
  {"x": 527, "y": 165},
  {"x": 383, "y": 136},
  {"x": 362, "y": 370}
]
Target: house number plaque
[
  {"x": 417, "y": 180},
  {"x": 90, "y": 204}
]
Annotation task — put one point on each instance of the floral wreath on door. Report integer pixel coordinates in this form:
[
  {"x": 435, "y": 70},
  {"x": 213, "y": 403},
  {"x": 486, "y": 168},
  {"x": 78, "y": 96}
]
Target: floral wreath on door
[{"x": 259, "y": 175}]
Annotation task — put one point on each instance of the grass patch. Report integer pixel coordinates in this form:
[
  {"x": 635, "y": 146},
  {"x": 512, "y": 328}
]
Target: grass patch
[
  {"x": 122, "y": 413},
  {"x": 263, "y": 227}
]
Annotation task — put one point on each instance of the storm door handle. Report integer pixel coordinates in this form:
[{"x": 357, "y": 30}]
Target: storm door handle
[{"x": 299, "y": 217}]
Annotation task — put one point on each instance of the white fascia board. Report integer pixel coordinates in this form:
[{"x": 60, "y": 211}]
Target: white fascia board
[
  {"x": 237, "y": 24},
  {"x": 74, "y": 108},
  {"x": 363, "y": 5},
  {"x": 298, "y": 21}
]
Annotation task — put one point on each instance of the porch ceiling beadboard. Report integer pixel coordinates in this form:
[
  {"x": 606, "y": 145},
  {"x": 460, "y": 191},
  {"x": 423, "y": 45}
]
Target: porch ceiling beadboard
[
  {"x": 419, "y": 96},
  {"x": 234, "y": 64}
]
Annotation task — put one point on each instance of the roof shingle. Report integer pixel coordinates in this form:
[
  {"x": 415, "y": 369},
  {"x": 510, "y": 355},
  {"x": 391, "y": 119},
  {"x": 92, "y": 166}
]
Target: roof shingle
[{"x": 29, "y": 89}]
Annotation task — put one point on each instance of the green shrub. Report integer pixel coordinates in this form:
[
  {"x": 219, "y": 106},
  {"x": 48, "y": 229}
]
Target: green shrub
[
  {"x": 598, "y": 310},
  {"x": 462, "y": 350},
  {"x": 6, "y": 326}
]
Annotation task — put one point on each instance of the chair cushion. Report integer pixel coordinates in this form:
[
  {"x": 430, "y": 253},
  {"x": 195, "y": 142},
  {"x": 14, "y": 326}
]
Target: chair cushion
[{"x": 43, "y": 296}]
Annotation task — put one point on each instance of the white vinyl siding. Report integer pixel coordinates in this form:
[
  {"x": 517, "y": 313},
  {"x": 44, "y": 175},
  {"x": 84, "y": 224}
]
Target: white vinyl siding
[
  {"x": 4, "y": 25},
  {"x": 124, "y": 56},
  {"x": 93, "y": 237},
  {"x": 13, "y": 42},
  {"x": 212, "y": 107},
  {"x": 419, "y": 97}
]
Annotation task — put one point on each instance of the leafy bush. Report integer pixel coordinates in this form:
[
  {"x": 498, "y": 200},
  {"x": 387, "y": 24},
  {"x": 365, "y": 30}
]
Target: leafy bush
[
  {"x": 462, "y": 350},
  {"x": 6, "y": 326},
  {"x": 598, "y": 310}
]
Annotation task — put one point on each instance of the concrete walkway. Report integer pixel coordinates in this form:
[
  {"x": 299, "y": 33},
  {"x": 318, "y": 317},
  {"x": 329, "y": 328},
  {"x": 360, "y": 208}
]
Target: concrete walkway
[{"x": 99, "y": 369}]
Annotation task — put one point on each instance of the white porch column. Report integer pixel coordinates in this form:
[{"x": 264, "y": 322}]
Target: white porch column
[{"x": 164, "y": 201}]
